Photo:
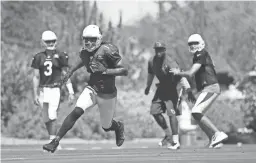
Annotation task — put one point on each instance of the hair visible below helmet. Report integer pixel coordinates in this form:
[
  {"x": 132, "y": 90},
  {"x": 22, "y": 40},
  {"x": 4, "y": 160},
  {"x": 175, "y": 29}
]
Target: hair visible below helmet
[
  {"x": 195, "y": 43},
  {"x": 92, "y": 31},
  {"x": 159, "y": 44},
  {"x": 49, "y": 40}
]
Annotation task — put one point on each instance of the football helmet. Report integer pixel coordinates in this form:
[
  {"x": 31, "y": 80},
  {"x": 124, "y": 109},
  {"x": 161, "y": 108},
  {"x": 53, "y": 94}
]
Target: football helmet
[
  {"x": 195, "y": 43},
  {"x": 92, "y": 37},
  {"x": 49, "y": 40}
]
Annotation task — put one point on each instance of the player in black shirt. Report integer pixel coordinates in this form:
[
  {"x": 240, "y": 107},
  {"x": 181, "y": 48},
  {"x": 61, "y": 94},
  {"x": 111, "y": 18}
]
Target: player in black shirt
[
  {"x": 48, "y": 66},
  {"x": 207, "y": 84},
  {"x": 166, "y": 96},
  {"x": 102, "y": 61}
]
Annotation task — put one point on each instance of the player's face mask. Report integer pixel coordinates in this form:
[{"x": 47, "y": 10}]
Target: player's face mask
[
  {"x": 195, "y": 46},
  {"x": 160, "y": 52},
  {"x": 91, "y": 43},
  {"x": 50, "y": 44}
]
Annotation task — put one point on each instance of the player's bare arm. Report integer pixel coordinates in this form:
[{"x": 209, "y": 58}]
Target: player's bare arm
[
  {"x": 187, "y": 74},
  {"x": 36, "y": 79},
  {"x": 150, "y": 79}
]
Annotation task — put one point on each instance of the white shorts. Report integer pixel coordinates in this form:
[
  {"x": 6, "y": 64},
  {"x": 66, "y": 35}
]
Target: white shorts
[
  {"x": 89, "y": 98},
  {"x": 204, "y": 101},
  {"x": 49, "y": 99}
]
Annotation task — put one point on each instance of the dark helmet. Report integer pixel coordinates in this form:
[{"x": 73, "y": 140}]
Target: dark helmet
[{"x": 159, "y": 45}]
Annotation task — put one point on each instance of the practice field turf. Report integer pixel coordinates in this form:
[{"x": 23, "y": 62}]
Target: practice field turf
[{"x": 129, "y": 153}]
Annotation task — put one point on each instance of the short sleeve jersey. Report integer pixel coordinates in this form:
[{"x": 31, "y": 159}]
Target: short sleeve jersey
[
  {"x": 160, "y": 67},
  {"x": 206, "y": 75},
  {"x": 50, "y": 64},
  {"x": 108, "y": 55}
]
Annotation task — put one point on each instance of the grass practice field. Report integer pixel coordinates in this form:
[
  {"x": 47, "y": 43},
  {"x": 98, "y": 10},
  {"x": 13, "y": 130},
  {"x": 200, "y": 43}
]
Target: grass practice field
[{"x": 130, "y": 152}]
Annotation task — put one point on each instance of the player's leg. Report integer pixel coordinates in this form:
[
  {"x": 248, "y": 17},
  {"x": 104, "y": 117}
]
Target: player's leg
[
  {"x": 172, "y": 112},
  {"x": 85, "y": 101},
  {"x": 156, "y": 110},
  {"x": 202, "y": 104},
  {"x": 107, "y": 109},
  {"x": 51, "y": 100}
]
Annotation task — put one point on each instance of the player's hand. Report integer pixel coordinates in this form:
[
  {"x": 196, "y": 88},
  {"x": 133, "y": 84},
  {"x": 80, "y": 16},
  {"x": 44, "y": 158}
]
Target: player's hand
[
  {"x": 97, "y": 67},
  {"x": 191, "y": 97},
  {"x": 71, "y": 98},
  {"x": 36, "y": 100},
  {"x": 147, "y": 90},
  {"x": 174, "y": 71}
]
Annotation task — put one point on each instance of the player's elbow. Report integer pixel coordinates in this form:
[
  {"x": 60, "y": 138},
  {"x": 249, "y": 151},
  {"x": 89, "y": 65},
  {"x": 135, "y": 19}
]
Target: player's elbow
[
  {"x": 190, "y": 74},
  {"x": 124, "y": 72}
]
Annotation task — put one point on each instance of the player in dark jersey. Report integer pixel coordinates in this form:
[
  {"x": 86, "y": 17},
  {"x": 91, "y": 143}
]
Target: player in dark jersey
[
  {"x": 49, "y": 65},
  {"x": 166, "y": 96},
  {"x": 207, "y": 84},
  {"x": 102, "y": 62}
]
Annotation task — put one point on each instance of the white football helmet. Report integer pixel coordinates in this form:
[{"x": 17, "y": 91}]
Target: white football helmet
[
  {"x": 49, "y": 40},
  {"x": 92, "y": 37},
  {"x": 195, "y": 43}
]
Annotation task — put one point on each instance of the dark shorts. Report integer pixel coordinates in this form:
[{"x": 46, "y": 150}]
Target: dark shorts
[{"x": 165, "y": 103}]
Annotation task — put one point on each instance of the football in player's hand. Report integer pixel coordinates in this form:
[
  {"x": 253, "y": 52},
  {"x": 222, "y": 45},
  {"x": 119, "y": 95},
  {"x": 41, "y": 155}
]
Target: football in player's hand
[{"x": 97, "y": 67}]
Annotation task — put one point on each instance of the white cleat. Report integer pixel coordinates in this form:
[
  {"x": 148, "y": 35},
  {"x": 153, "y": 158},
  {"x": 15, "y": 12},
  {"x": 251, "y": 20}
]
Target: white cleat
[
  {"x": 217, "y": 138},
  {"x": 218, "y": 146},
  {"x": 174, "y": 146}
]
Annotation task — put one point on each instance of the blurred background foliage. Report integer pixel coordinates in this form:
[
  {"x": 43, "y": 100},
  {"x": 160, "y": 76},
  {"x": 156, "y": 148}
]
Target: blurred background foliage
[{"x": 227, "y": 27}]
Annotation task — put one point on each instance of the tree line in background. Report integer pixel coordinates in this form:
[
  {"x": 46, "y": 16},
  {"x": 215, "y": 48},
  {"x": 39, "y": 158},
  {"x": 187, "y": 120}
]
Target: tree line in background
[{"x": 227, "y": 27}]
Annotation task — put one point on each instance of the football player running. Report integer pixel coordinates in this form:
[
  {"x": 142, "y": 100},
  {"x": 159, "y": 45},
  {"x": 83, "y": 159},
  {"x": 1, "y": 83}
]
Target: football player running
[
  {"x": 48, "y": 66},
  {"x": 166, "y": 96},
  {"x": 102, "y": 61},
  {"x": 207, "y": 84}
]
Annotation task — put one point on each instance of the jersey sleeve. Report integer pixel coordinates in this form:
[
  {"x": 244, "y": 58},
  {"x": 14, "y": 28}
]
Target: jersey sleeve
[
  {"x": 64, "y": 59},
  {"x": 200, "y": 58},
  {"x": 113, "y": 54},
  {"x": 35, "y": 62}
]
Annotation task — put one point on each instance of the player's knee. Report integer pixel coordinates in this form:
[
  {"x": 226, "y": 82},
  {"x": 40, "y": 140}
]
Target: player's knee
[
  {"x": 77, "y": 112},
  {"x": 160, "y": 120},
  {"x": 157, "y": 117},
  {"x": 49, "y": 121},
  {"x": 197, "y": 116}
]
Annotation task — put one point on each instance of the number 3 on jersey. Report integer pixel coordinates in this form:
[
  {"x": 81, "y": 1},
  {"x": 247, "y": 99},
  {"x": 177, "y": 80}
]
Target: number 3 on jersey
[{"x": 48, "y": 70}]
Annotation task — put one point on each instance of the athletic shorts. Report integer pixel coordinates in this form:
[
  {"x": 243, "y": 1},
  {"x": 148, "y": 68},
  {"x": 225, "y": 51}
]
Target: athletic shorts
[{"x": 162, "y": 103}]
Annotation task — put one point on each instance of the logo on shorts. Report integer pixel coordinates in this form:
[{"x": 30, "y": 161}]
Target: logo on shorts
[{"x": 173, "y": 111}]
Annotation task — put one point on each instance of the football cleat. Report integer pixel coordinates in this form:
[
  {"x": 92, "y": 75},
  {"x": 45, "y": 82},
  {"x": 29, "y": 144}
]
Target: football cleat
[
  {"x": 217, "y": 138},
  {"x": 174, "y": 146},
  {"x": 52, "y": 146},
  {"x": 218, "y": 146},
  {"x": 165, "y": 141},
  {"x": 120, "y": 134}
]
